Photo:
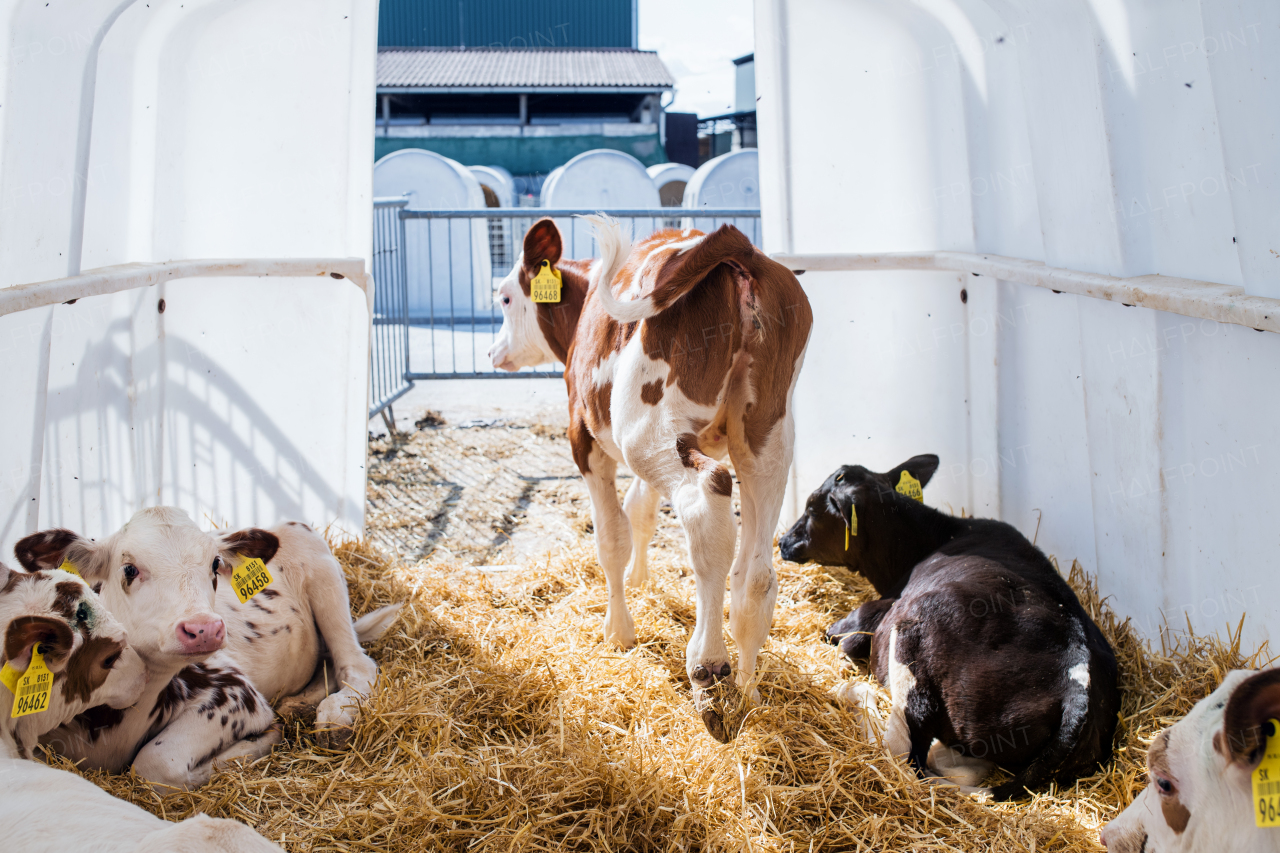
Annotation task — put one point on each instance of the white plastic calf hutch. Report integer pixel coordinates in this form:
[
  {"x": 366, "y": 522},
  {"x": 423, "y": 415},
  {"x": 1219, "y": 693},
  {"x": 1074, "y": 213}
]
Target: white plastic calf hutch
[
  {"x": 671, "y": 179},
  {"x": 729, "y": 181},
  {"x": 448, "y": 263},
  {"x": 602, "y": 179},
  {"x": 184, "y": 304},
  {"x": 1041, "y": 242}
]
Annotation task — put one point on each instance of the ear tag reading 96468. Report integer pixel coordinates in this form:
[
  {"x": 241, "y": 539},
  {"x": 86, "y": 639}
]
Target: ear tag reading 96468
[
  {"x": 910, "y": 486},
  {"x": 1266, "y": 780},
  {"x": 69, "y": 567},
  {"x": 251, "y": 578},
  {"x": 546, "y": 284},
  {"x": 851, "y": 527},
  {"x": 32, "y": 689}
]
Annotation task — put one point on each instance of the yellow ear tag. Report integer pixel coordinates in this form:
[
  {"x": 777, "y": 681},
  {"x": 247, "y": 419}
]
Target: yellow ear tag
[
  {"x": 251, "y": 578},
  {"x": 851, "y": 527},
  {"x": 546, "y": 284},
  {"x": 9, "y": 678},
  {"x": 910, "y": 486},
  {"x": 1266, "y": 781},
  {"x": 70, "y": 567},
  {"x": 33, "y": 688}
]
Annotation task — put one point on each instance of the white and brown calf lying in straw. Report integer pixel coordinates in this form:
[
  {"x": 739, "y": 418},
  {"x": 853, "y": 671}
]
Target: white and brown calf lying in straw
[
  {"x": 1201, "y": 796},
  {"x": 216, "y": 665},
  {"x": 44, "y": 810},
  {"x": 678, "y": 352},
  {"x": 80, "y": 643}
]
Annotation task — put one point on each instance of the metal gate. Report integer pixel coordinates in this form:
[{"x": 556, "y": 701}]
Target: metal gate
[{"x": 435, "y": 273}]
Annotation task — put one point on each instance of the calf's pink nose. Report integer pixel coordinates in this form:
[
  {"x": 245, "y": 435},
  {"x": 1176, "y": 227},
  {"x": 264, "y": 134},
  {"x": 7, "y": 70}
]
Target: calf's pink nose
[{"x": 200, "y": 637}]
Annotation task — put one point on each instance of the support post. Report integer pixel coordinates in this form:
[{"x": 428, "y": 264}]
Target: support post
[{"x": 386, "y": 115}]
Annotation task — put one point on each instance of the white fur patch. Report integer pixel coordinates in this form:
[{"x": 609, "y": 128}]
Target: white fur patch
[{"x": 1080, "y": 674}]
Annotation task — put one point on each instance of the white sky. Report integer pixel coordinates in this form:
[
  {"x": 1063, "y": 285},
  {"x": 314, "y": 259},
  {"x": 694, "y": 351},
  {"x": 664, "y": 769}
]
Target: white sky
[{"x": 697, "y": 39}]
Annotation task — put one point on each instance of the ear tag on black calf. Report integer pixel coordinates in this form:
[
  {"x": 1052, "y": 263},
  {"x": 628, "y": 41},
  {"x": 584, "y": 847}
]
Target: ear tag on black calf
[
  {"x": 251, "y": 578},
  {"x": 1266, "y": 780},
  {"x": 32, "y": 689},
  {"x": 546, "y": 284},
  {"x": 851, "y": 526},
  {"x": 910, "y": 486}
]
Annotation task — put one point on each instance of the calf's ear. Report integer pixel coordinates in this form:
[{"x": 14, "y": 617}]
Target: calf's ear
[
  {"x": 921, "y": 467},
  {"x": 1254, "y": 701},
  {"x": 542, "y": 242},
  {"x": 246, "y": 545},
  {"x": 49, "y": 549},
  {"x": 55, "y": 638}
]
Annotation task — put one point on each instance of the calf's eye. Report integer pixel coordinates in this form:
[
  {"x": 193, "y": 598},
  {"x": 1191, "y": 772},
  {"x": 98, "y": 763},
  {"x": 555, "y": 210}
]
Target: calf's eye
[
  {"x": 506, "y": 300},
  {"x": 130, "y": 572},
  {"x": 1165, "y": 786},
  {"x": 217, "y": 563},
  {"x": 110, "y": 661},
  {"x": 83, "y": 612}
]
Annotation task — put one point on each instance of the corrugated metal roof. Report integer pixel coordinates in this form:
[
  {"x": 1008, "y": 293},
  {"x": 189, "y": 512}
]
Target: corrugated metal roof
[
  {"x": 506, "y": 23},
  {"x": 437, "y": 68}
]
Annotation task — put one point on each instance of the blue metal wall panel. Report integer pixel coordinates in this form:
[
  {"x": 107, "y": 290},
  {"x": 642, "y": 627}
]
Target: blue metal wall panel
[{"x": 506, "y": 23}]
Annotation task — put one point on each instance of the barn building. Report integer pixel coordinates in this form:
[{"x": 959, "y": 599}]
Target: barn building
[{"x": 522, "y": 85}]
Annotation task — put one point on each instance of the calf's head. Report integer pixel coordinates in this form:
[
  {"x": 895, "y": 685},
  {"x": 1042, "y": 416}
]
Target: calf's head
[
  {"x": 1200, "y": 795},
  {"x": 80, "y": 642},
  {"x": 157, "y": 575},
  {"x": 522, "y": 341},
  {"x": 838, "y": 525}
]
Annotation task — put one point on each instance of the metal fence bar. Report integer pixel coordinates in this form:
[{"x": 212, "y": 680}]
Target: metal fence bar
[
  {"x": 389, "y": 359},
  {"x": 503, "y": 247}
]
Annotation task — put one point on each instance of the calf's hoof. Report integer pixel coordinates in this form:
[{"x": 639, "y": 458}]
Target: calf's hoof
[
  {"x": 719, "y": 701},
  {"x": 334, "y": 737},
  {"x": 637, "y": 578},
  {"x": 620, "y": 631}
]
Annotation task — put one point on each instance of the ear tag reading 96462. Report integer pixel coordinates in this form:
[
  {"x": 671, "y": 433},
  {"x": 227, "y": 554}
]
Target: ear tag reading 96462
[
  {"x": 910, "y": 486},
  {"x": 32, "y": 689},
  {"x": 851, "y": 527},
  {"x": 1266, "y": 780},
  {"x": 546, "y": 284},
  {"x": 69, "y": 567},
  {"x": 251, "y": 578}
]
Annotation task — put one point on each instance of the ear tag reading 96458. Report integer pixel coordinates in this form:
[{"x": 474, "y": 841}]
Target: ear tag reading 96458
[
  {"x": 69, "y": 567},
  {"x": 251, "y": 578},
  {"x": 546, "y": 284},
  {"x": 910, "y": 486},
  {"x": 32, "y": 689},
  {"x": 851, "y": 527},
  {"x": 1266, "y": 780}
]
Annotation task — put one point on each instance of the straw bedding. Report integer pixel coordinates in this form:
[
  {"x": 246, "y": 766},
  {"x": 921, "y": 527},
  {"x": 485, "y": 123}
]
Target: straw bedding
[{"x": 502, "y": 722}]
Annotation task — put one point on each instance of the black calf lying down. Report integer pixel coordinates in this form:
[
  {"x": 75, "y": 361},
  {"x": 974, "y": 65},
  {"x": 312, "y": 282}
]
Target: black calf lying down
[{"x": 979, "y": 640}]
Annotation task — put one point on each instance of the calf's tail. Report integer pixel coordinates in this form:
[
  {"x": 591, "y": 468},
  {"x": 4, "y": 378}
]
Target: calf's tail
[
  {"x": 699, "y": 257},
  {"x": 373, "y": 625},
  {"x": 1075, "y": 715}
]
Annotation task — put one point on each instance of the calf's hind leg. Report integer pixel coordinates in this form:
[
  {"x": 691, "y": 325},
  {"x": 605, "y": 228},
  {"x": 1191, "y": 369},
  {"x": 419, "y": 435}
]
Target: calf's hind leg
[
  {"x": 700, "y": 488},
  {"x": 641, "y": 506}
]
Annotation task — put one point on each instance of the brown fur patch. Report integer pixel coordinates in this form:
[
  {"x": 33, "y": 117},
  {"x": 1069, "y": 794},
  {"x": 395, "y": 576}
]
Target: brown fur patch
[
  {"x": 85, "y": 671},
  {"x": 1175, "y": 813},
  {"x": 691, "y": 456},
  {"x": 651, "y": 392},
  {"x": 68, "y": 596}
]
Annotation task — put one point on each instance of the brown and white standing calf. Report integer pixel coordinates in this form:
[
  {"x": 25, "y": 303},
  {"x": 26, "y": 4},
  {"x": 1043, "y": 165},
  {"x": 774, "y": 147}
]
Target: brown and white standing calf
[
  {"x": 1200, "y": 799},
  {"x": 80, "y": 642},
  {"x": 217, "y": 666},
  {"x": 678, "y": 351}
]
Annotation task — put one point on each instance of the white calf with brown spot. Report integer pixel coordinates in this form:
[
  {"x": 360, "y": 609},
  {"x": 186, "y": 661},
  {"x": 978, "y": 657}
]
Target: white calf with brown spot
[
  {"x": 217, "y": 666},
  {"x": 81, "y": 643},
  {"x": 1200, "y": 793},
  {"x": 698, "y": 364}
]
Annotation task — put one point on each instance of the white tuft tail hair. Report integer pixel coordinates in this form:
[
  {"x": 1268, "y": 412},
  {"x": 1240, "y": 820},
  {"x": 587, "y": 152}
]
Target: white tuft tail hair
[
  {"x": 372, "y": 626},
  {"x": 615, "y": 248}
]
